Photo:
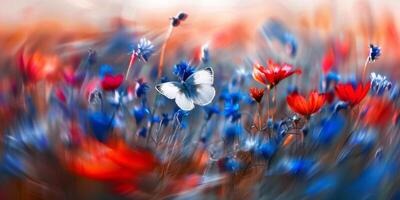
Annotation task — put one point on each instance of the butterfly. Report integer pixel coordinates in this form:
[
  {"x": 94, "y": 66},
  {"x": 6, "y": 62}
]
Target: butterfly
[
  {"x": 176, "y": 21},
  {"x": 196, "y": 89}
]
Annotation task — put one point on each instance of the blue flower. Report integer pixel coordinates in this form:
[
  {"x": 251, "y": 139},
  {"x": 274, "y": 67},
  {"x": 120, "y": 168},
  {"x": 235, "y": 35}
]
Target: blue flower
[
  {"x": 329, "y": 129},
  {"x": 181, "y": 117},
  {"x": 231, "y": 133},
  {"x": 101, "y": 125},
  {"x": 183, "y": 70},
  {"x": 379, "y": 83},
  {"x": 142, "y": 132},
  {"x": 105, "y": 70},
  {"x": 266, "y": 150},
  {"x": 230, "y": 165},
  {"x": 210, "y": 111},
  {"x": 142, "y": 88},
  {"x": 144, "y": 49},
  {"x": 12, "y": 164},
  {"x": 374, "y": 53},
  {"x": 165, "y": 119},
  {"x": 232, "y": 111},
  {"x": 140, "y": 113},
  {"x": 296, "y": 166}
]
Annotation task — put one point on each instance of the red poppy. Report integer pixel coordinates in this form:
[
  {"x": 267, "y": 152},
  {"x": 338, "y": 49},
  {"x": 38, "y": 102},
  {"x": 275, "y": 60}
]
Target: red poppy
[
  {"x": 328, "y": 61},
  {"x": 348, "y": 93},
  {"x": 273, "y": 74},
  {"x": 111, "y": 82},
  {"x": 300, "y": 105},
  {"x": 256, "y": 94}
]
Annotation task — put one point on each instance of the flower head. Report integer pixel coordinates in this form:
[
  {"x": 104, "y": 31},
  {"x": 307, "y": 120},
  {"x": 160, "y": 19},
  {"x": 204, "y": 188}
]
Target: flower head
[
  {"x": 210, "y": 111},
  {"x": 141, "y": 88},
  {"x": 183, "y": 70},
  {"x": 350, "y": 94},
  {"x": 300, "y": 105},
  {"x": 111, "y": 82},
  {"x": 256, "y": 94},
  {"x": 374, "y": 53},
  {"x": 273, "y": 74},
  {"x": 144, "y": 49},
  {"x": 379, "y": 83}
]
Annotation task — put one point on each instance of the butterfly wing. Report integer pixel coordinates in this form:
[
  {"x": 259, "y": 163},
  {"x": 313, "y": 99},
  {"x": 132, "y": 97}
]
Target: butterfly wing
[
  {"x": 169, "y": 89},
  {"x": 204, "y": 94},
  {"x": 200, "y": 86},
  {"x": 202, "y": 76},
  {"x": 175, "y": 90}
]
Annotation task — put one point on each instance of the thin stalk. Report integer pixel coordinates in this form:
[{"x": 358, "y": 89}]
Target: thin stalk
[
  {"x": 274, "y": 103},
  {"x": 131, "y": 63},
  {"x": 164, "y": 46},
  {"x": 260, "y": 123},
  {"x": 365, "y": 70},
  {"x": 267, "y": 102}
]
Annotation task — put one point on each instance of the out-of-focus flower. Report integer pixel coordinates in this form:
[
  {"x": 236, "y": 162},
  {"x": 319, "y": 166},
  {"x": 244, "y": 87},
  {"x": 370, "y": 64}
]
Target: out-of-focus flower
[
  {"x": 266, "y": 150},
  {"x": 256, "y": 94},
  {"x": 328, "y": 61},
  {"x": 165, "y": 119},
  {"x": 106, "y": 70},
  {"x": 295, "y": 167},
  {"x": 300, "y": 105},
  {"x": 100, "y": 124},
  {"x": 232, "y": 111},
  {"x": 229, "y": 164},
  {"x": 183, "y": 70},
  {"x": 37, "y": 67},
  {"x": 379, "y": 83},
  {"x": 329, "y": 129},
  {"x": 276, "y": 30},
  {"x": 111, "y": 163},
  {"x": 111, "y": 82},
  {"x": 350, "y": 94},
  {"x": 210, "y": 110},
  {"x": 378, "y": 112},
  {"x": 60, "y": 95},
  {"x": 176, "y": 21},
  {"x": 273, "y": 73},
  {"x": 139, "y": 113},
  {"x": 141, "y": 88},
  {"x": 73, "y": 78},
  {"x": 231, "y": 133},
  {"x": 144, "y": 49},
  {"x": 374, "y": 52}
]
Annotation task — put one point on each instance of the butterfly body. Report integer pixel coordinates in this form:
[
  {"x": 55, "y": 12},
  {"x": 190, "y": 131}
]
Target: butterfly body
[{"x": 196, "y": 89}]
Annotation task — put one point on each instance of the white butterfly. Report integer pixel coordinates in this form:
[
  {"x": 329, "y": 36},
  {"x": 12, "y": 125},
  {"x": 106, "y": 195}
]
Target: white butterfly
[{"x": 196, "y": 89}]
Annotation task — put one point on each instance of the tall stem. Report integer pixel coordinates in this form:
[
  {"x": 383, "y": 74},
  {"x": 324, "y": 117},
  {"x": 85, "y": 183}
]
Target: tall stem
[
  {"x": 259, "y": 107},
  {"x": 365, "y": 70},
  {"x": 274, "y": 103},
  {"x": 160, "y": 64},
  {"x": 267, "y": 101},
  {"x": 131, "y": 63}
]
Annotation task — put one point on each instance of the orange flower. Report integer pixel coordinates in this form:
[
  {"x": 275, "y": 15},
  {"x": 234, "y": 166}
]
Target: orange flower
[
  {"x": 256, "y": 94},
  {"x": 353, "y": 96},
  {"x": 300, "y": 105},
  {"x": 273, "y": 74}
]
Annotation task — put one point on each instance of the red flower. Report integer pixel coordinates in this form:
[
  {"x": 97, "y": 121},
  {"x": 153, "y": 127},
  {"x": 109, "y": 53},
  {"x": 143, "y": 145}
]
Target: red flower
[
  {"x": 111, "y": 82},
  {"x": 378, "y": 111},
  {"x": 353, "y": 96},
  {"x": 272, "y": 74},
  {"x": 256, "y": 94},
  {"x": 300, "y": 105}
]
